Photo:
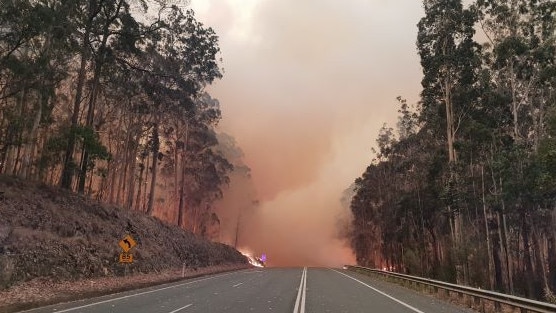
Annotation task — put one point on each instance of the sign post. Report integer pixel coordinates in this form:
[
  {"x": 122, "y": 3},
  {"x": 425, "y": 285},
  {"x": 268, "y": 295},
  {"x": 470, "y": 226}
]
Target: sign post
[{"x": 127, "y": 243}]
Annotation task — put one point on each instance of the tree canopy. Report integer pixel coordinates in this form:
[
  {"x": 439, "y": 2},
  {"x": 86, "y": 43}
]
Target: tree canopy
[
  {"x": 466, "y": 181},
  {"x": 107, "y": 98}
]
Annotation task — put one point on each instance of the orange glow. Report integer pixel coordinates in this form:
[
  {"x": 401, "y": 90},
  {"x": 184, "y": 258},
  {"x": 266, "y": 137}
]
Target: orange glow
[{"x": 306, "y": 88}]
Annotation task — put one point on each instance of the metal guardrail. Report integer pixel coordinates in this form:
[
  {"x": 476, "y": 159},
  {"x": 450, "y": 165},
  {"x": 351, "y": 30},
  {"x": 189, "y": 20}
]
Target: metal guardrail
[{"x": 524, "y": 304}]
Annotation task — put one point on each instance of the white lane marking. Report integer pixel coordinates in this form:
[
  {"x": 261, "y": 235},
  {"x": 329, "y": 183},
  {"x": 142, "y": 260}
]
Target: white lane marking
[
  {"x": 141, "y": 293},
  {"x": 183, "y": 307},
  {"x": 382, "y": 293},
  {"x": 302, "y": 309},
  {"x": 301, "y": 293},
  {"x": 237, "y": 285}
]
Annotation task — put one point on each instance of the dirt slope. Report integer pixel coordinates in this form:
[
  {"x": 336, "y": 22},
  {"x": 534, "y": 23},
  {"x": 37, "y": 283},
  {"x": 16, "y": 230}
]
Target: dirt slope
[{"x": 51, "y": 234}]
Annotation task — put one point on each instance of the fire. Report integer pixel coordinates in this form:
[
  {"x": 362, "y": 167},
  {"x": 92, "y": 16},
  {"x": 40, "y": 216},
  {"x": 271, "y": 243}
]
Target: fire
[{"x": 254, "y": 260}]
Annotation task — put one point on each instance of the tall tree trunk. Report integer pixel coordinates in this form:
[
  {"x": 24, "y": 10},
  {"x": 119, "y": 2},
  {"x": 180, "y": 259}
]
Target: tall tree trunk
[
  {"x": 504, "y": 280},
  {"x": 14, "y": 136},
  {"x": 498, "y": 283},
  {"x": 487, "y": 233},
  {"x": 138, "y": 203},
  {"x": 539, "y": 260},
  {"x": 32, "y": 144},
  {"x": 69, "y": 164},
  {"x": 552, "y": 253},
  {"x": 457, "y": 222},
  {"x": 131, "y": 179},
  {"x": 17, "y": 160},
  {"x": 527, "y": 258},
  {"x": 122, "y": 180},
  {"x": 509, "y": 258},
  {"x": 181, "y": 205},
  {"x": 145, "y": 193},
  {"x": 99, "y": 62},
  {"x": 155, "y": 151},
  {"x": 113, "y": 165}
]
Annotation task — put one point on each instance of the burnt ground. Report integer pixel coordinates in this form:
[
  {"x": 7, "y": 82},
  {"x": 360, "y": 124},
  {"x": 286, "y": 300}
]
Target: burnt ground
[{"x": 57, "y": 240}]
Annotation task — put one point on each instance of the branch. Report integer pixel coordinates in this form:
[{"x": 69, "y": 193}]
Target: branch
[
  {"x": 460, "y": 119},
  {"x": 485, "y": 32},
  {"x": 19, "y": 43}
]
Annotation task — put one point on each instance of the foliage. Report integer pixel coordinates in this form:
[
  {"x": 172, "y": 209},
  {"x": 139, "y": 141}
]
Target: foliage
[
  {"x": 96, "y": 94},
  {"x": 467, "y": 181}
]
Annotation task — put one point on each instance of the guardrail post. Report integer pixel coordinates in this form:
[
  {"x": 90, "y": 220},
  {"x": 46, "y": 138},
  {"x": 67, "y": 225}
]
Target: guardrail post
[
  {"x": 476, "y": 300},
  {"x": 447, "y": 293},
  {"x": 468, "y": 301}
]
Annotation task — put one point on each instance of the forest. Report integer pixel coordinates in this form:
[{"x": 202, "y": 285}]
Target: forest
[
  {"x": 463, "y": 188},
  {"x": 107, "y": 98}
]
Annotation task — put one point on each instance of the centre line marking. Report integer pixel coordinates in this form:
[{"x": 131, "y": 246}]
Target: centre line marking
[
  {"x": 302, "y": 309},
  {"x": 237, "y": 284},
  {"x": 301, "y": 293},
  {"x": 382, "y": 293},
  {"x": 183, "y": 307}
]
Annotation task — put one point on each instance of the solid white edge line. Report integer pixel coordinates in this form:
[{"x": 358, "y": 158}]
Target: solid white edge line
[
  {"x": 296, "y": 307},
  {"x": 302, "y": 309},
  {"x": 382, "y": 293},
  {"x": 183, "y": 307},
  {"x": 141, "y": 293}
]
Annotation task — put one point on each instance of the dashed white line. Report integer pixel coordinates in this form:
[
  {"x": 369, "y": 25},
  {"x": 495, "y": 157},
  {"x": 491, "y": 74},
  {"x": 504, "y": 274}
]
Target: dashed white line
[
  {"x": 238, "y": 284},
  {"x": 382, "y": 293},
  {"x": 140, "y": 293},
  {"x": 183, "y": 307}
]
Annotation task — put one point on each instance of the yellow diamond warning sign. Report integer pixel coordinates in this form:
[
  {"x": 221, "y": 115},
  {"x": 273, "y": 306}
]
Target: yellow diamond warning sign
[
  {"x": 127, "y": 243},
  {"x": 126, "y": 257}
]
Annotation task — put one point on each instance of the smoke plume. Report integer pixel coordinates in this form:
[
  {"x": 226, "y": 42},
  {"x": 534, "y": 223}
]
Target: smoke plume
[{"x": 307, "y": 85}]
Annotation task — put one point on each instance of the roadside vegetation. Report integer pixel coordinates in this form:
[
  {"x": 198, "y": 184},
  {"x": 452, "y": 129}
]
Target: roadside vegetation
[
  {"x": 107, "y": 98},
  {"x": 463, "y": 189},
  {"x": 106, "y": 129}
]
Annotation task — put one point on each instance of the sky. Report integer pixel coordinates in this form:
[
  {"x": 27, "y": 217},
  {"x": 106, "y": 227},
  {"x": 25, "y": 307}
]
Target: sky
[{"x": 307, "y": 85}]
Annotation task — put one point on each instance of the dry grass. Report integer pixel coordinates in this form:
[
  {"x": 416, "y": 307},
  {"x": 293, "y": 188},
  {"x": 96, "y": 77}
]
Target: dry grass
[{"x": 63, "y": 244}]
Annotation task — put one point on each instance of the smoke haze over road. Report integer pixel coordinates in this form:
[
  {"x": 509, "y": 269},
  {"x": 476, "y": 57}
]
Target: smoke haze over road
[{"x": 307, "y": 85}]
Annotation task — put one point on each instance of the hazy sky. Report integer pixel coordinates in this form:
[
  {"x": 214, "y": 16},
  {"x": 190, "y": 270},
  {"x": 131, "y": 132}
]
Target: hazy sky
[{"x": 307, "y": 85}]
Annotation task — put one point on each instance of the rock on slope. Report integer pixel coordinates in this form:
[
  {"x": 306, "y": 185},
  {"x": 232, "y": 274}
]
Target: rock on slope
[{"x": 53, "y": 234}]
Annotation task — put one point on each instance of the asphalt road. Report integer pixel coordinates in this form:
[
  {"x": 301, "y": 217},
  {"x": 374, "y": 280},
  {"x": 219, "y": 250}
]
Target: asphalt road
[{"x": 281, "y": 290}]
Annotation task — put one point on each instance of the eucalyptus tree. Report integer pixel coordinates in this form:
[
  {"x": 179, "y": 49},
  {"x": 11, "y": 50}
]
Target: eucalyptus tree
[
  {"x": 449, "y": 58},
  {"x": 521, "y": 57},
  {"x": 202, "y": 170},
  {"x": 478, "y": 163},
  {"x": 179, "y": 60},
  {"x": 35, "y": 48},
  {"x": 103, "y": 24},
  {"x": 115, "y": 21}
]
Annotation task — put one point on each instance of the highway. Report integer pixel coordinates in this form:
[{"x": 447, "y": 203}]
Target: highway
[{"x": 278, "y": 290}]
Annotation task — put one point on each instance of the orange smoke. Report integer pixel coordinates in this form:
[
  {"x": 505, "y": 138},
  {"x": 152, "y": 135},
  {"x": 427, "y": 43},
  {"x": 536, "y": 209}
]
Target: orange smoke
[{"x": 306, "y": 87}]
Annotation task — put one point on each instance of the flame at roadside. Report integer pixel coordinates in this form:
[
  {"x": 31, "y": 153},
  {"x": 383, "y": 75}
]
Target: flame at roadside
[{"x": 253, "y": 260}]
